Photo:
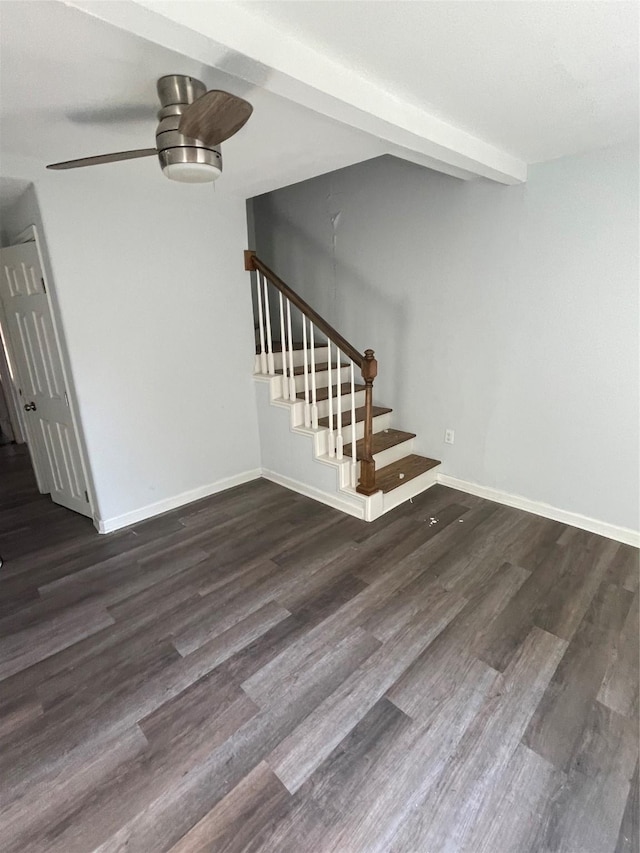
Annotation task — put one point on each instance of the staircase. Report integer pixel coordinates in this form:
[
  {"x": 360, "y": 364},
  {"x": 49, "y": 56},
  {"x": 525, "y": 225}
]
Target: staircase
[{"x": 320, "y": 432}]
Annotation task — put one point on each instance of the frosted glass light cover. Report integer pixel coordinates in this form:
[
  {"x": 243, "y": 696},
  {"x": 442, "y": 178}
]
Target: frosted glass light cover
[{"x": 192, "y": 173}]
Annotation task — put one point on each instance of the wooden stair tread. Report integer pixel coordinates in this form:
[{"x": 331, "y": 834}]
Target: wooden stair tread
[
  {"x": 346, "y": 416},
  {"x": 323, "y": 393},
  {"x": 298, "y": 370},
  {"x": 388, "y": 478},
  {"x": 381, "y": 441}
]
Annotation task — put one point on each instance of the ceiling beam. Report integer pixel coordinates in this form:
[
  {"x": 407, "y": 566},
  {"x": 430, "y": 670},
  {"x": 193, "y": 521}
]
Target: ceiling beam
[{"x": 227, "y": 36}]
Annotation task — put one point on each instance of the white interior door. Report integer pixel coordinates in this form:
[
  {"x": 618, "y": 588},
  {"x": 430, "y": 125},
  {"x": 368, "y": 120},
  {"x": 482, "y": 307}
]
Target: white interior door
[{"x": 50, "y": 429}]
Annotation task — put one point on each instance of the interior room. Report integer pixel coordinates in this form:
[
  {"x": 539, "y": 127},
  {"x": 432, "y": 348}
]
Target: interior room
[{"x": 319, "y": 426}]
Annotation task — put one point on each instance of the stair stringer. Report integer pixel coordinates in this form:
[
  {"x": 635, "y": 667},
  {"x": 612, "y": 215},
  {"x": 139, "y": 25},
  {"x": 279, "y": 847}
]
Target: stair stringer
[{"x": 296, "y": 456}]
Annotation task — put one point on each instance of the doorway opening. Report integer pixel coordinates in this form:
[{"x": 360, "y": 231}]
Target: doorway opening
[{"x": 36, "y": 392}]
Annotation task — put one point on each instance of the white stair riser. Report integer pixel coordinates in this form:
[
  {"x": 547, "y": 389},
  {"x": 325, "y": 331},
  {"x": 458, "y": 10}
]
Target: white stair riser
[
  {"x": 379, "y": 423},
  {"x": 321, "y": 355},
  {"x": 409, "y": 490},
  {"x": 322, "y": 379},
  {"x": 392, "y": 454},
  {"x": 323, "y": 405}
]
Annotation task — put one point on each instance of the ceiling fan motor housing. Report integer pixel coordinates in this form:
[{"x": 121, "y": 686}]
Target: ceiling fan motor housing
[{"x": 191, "y": 158}]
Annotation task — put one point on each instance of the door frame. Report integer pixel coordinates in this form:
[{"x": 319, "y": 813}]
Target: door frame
[{"x": 31, "y": 235}]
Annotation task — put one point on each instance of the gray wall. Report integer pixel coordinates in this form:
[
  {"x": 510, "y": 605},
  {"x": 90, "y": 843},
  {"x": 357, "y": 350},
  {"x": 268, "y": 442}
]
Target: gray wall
[
  {"x": 155, "y": 310},
  {"x": 509, "y": 314}
]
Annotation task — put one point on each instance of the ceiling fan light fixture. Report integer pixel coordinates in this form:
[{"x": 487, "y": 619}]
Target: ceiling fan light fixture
[
  {"x": 191, "y": 173},
  {"x": 192, "y": 122},
  {"x": 191, "y": 165}
]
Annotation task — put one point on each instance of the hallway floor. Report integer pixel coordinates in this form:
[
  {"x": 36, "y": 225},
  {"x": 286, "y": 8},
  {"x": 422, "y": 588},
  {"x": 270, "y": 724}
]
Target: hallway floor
[{"x": 258, "y": 672}]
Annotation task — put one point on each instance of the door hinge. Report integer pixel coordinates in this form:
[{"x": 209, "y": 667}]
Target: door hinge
[
  {"x": 66, "y": 399},
  {"x": 43, "y": 285},
  {"x": 86, "y": 496}
]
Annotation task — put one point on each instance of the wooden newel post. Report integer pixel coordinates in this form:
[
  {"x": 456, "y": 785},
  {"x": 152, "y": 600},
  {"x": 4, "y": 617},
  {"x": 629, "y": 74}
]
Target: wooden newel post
[
  {"x": 249, "y": 256},
  {"x": 367, "y": 484}
]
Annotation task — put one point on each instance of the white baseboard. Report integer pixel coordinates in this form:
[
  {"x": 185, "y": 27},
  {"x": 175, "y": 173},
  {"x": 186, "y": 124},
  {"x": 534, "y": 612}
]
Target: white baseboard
[
  {"x": 335, "y": 501},
  {"x": 593, "y": 525},
  {"x": 108, "y": 525}
]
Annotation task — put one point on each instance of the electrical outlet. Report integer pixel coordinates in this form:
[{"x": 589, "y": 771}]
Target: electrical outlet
[{"x": 449, "y": 436}]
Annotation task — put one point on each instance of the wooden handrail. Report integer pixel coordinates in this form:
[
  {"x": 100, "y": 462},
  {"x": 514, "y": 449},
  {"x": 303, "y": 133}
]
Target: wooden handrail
[
  {"x": 252, "y": 262},
  {"x": 367, "y": 364}
]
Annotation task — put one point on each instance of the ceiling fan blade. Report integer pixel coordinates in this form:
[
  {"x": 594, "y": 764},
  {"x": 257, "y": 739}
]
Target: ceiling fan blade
[
  {"x": 215, "y": 116},
  {"x": 103, "y": 158}
]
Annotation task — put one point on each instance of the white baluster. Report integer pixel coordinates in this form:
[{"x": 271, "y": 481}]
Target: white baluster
[
  {"x": 332, "y": 446},
  {"x": 263, "y": 355},
  {"x": 292, "y": 378},
  {"x": 354, "y": 453},
  {"x": 307, "y": 408},
  {"x": 314, "y": 396},
  {"x": 339, "y": 442},
  {"x": 267, "y": 316},
  {"x": 283, "y": 353}
]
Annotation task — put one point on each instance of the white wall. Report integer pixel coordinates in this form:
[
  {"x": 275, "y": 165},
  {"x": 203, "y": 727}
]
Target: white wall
[
  {"x": 156, "y": 313},
  {"x": 509, "y": 314}
]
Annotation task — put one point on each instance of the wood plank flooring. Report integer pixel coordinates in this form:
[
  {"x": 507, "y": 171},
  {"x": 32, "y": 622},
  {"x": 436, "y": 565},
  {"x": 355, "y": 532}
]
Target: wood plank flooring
[{"x": 257, "y": 672}]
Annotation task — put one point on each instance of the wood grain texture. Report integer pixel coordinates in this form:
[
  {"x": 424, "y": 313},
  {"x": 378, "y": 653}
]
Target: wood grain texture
[
  {"x": 585, "y": 810},
  {"x": 298, "y": 755},
  {"x": 214, "y": 117},
  {"x": 395, "y": 787},
  {"x": 509, "y": 816},
  {"x": 447, "y": 667},
  {"x": 402, "y": 471},
  {"x": 257, "y": 672},
  {"x": 619, "y": 689},
  {"x": 560, "y": 718},
  {"x": 317, "y": 814},
  {"x": 555, "y": 597},
  {"x": 453, "y": 807},
  {"x": 629, "y": 836},
  {"x": 234, "y": 822}
]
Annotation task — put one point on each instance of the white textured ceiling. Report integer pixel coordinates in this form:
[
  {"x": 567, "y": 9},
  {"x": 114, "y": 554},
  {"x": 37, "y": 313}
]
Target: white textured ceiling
[
  {"x": 73, "y": 86},
  {"x": 537, "y": 79},
  {"x": 471, "y": 88}
]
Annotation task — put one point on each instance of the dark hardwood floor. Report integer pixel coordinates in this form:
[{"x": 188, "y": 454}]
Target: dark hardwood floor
[{"x": 257, "y": 672}]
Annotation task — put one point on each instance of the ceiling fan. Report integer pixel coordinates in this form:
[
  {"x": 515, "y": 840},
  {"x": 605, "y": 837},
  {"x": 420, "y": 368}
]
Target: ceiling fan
[{"x": 193, "y": 123}]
